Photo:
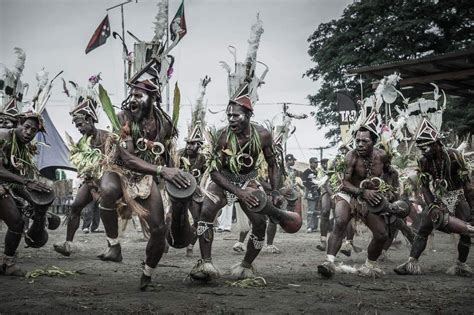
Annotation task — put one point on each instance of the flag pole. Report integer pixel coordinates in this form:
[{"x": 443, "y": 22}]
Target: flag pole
[{"x": 123, "y": 38}]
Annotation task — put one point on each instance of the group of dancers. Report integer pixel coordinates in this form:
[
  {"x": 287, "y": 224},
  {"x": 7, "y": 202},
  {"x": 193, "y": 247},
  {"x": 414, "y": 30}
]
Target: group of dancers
[{"x": 135, "y": 169}]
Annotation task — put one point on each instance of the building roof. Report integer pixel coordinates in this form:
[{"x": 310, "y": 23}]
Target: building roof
[{"x": 453, "y": 72}]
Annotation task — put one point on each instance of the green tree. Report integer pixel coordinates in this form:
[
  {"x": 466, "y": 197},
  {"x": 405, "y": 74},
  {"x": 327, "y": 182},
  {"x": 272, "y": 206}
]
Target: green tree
[
  {"x": 459, "y": 116},
  {"x": 379, "y": 31}
]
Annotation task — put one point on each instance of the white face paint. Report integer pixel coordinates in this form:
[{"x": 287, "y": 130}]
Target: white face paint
[{"x": 236, "y": 118}]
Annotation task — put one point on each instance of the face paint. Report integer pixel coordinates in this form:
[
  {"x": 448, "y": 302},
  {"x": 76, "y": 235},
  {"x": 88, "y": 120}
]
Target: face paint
[{"x": 237, "y": 119}]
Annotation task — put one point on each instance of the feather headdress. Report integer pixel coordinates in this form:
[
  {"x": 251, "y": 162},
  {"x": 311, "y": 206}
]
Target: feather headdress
[
  {"x": 85, "y": 101},
  {"x": 242, "y": 84},
  {"x": 12, "y": 89},
  {"x": 198, "y": 123},
  {"x": 161, "y": 21},
  {"x": 152, "y": 59},
  {"x": 426, "y": 134},
  {"x": 41, "y": 98}
]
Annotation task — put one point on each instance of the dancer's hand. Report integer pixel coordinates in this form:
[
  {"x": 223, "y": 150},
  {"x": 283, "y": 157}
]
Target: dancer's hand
[
  {"x": 287, "y": 192},
  {"x": 372, "y": 196},
  {"x": 278, "y": 199},
  {"x": 247, "y": 197},
  {"x": 176, "y": 177},
  {"x": 37, "y": 186}
]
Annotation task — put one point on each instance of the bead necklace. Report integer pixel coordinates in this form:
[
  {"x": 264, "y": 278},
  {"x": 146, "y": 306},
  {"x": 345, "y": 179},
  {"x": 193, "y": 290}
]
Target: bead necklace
[{"x": 368, "y": 165}]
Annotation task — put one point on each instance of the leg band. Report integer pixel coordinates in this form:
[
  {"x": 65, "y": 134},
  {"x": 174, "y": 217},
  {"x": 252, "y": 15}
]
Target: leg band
[
  {"x": 257, "y": 243},
  {"x": 147, "y": 270},
  {"x": 205, "y": 229},
  {"x": 13, "y": 232},
  {"x": 106, "y": 209},
  {"x": 202, "y": 227},
  {"x": 113, "y": 241}
]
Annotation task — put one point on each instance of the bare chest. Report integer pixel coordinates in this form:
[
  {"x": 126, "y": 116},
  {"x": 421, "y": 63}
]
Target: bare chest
[
  {"x": 367, "y": 168},
  {"x": 149, "y": 129}
]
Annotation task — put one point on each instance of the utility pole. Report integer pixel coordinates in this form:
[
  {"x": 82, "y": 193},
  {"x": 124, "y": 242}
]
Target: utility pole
[
  {"x": 321, "y": 149},
  {"x": 167, "y": 43},
  {"x": 285, "y": 108},
  {"x": 123, "y": 39}
]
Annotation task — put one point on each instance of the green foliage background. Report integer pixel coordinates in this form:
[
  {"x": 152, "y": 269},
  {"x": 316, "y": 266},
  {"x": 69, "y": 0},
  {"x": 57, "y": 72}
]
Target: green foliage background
[{"x": 379, "y": 31}]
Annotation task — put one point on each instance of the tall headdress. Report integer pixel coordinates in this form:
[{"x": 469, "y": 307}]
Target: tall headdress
[
  {"x": 372, "y": 123},
  {"x": 426, "y": 134},
  {"x": 242, "y": 96},
  {"x": 12, "y": 89},
  {"x": 86, "y": 100},
  {"x": 152, "y": 64},
  {"x": 243, "y": 82},
  {"x": 41, "y": 98},
  {"x": 198, "y": 123}
]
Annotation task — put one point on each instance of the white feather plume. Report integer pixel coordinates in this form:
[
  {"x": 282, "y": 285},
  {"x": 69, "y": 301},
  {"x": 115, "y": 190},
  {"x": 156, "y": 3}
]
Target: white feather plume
[
  {"x": 42, "y": 78},
  {"x": 199, "y": 112},
  {"x": 20, "y": 62},
  {"x": 254, "y": 41},
  {"x": 245, "y": 71},
  {"x": 161, "y": 20}
]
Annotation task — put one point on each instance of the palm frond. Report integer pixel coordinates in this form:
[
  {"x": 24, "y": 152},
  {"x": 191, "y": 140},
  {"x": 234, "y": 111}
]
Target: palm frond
[
  {"x": 176, "y": 105},
  {"x": 108, "y": 108}
]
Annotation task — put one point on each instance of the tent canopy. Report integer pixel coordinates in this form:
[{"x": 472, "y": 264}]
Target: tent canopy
[{"x": 53, "y": 156}]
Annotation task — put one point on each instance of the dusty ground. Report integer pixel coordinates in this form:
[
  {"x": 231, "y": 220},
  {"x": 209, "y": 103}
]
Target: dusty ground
[{"x": 293, "y": 283}]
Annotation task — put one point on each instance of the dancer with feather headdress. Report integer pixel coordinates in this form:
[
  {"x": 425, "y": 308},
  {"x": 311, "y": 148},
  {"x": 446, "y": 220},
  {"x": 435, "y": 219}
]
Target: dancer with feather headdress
[
  {"x": 191, "y": 160},
  {"x": 87, "y": 156},
  {"x": 233, "y": 163},
  {"x": 362, "y": 192},
  {"x": 362, "y": 164},
  {"x": 443, "y": 175},
  {"x": 12, "y": 91},
  {"x": 19, "y": 176},
  {"x": 139, "y": 155}
]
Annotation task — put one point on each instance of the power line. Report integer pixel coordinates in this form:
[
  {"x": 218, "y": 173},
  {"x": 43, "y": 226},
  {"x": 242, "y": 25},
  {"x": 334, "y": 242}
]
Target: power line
[
  {"x": 66, "y": 104},
  {"x": 299, "y": 146}
]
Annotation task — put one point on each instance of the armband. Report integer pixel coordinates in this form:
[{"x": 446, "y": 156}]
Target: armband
[{"x": 159, "y": 169}]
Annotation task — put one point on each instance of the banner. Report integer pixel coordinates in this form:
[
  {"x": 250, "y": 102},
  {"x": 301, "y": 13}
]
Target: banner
[
  {"x": 100, "y": 35},
  {"x": 178, "y": 24},
  {"x": 347, "y": 109}
]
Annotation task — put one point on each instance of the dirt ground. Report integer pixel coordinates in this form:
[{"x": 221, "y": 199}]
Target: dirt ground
[{"x": 293, "y": 285}]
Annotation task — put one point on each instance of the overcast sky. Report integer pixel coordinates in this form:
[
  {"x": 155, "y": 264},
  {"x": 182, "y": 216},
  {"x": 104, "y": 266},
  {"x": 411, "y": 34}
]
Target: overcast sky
[{"x": 55, "y": 33}]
